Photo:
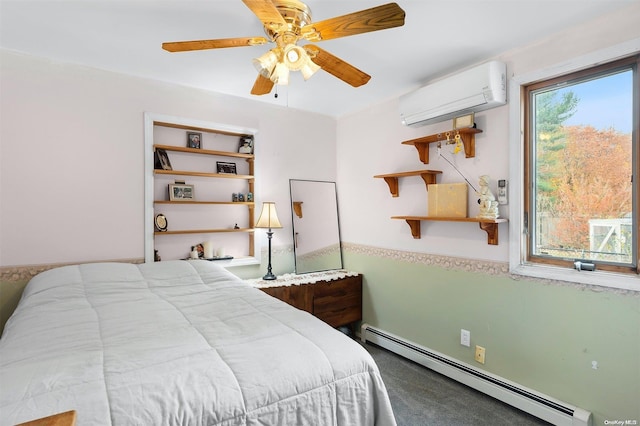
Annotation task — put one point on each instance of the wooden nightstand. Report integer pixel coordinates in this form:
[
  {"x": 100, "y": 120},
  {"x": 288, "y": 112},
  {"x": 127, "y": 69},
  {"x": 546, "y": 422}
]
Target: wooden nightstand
[{"x": 335, "y": 297}]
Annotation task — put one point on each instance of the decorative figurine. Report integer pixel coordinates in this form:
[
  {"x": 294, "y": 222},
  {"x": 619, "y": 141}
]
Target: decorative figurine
[
  {"x": 249, "y": 196},
  {"x": 194, "y": 253},
  {"x": 487, "y": 201},
  {"x": 234, "y": 197}
]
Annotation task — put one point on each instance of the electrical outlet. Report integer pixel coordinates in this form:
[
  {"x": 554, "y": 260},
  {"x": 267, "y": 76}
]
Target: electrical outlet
[
  {"x": 465, "y": 337},
  {"x": 480, "y": 351}
]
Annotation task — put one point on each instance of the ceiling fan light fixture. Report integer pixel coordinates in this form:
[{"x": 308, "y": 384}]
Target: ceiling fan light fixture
[
  {"x": 309, "y": 69},
  {"x": 266, "y": 63},
  {"x": 294, "y": 57},
  {"x": 280, "y": 74}
]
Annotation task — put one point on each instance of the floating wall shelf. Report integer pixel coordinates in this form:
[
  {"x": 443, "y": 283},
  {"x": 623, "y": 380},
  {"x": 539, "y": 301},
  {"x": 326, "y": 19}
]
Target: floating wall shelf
[
  {"x": 468, "y": 136},
  {"x": 488, "y": 225},
  {"x": 429, "y": 177}
]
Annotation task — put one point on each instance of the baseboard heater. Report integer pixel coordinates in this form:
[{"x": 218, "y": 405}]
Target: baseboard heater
[{"x": 534, "y": 403}]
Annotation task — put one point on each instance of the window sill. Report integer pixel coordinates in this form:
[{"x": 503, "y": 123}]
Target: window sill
[{"x": 597, "y": 278}]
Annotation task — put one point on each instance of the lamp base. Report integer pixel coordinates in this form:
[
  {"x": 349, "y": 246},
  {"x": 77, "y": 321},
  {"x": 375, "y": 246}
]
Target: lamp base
[{"x": 269, "y": 276}]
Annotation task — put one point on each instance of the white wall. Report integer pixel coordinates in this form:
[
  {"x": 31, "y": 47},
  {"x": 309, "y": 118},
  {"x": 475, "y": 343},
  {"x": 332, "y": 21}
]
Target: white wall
[
  {"x": 71, "y": 157},
  {"x": 370, "y": 144}
]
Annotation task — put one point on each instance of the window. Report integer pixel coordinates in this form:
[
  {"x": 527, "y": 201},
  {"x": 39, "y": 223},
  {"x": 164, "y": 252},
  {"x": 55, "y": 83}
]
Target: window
[{"x": 581, "y": 168}]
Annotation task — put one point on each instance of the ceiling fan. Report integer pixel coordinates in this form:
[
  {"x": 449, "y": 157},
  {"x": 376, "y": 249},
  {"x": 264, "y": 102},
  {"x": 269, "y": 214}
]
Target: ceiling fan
[{"x": 286, "y": 22}]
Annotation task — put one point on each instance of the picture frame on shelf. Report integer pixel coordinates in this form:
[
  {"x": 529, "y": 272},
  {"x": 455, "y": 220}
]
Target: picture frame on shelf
[
  {"x": 194, "y": 140},
  {"x": 181, "y": 192},
  {"x": 246, "y": 145},
  {"x": 224, "y": 167},
  {"x": 161, "y": 160}
]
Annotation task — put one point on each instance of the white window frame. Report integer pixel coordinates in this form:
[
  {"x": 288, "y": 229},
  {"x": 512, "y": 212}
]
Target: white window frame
[{"x": 517, "y": 238}]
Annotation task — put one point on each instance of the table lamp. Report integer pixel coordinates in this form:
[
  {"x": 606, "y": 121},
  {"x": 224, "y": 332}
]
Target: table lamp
[{"x": 268, "y": 219}]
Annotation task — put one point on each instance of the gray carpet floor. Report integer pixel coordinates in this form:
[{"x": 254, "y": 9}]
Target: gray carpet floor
[{"x": 420, "y": 396}]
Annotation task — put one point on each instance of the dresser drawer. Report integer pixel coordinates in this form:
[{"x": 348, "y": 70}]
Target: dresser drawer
[
  {"x": 338, "y": 302},
  {"x": 343, "y": 287},
  {"x": 298, "y": 296},
  {"x": 341, "y": 317}
]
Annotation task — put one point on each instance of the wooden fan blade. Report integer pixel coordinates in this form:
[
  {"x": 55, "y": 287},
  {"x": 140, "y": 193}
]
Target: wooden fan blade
[
  {"x": 262, "y": 86},
  {"x": 377, "y": 18},
  {"x": 266, "y": 11},
  {"x": 184, "y": 46},
  {"x": 336, "y": 66}
]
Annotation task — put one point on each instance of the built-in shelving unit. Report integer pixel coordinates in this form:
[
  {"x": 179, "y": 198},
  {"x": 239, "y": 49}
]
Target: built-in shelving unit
[
  {"x": 212, "y": 211},
  {"x": 467, "y": 136}
]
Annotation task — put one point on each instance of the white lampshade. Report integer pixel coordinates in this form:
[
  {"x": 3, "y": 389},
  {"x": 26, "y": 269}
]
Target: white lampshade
[{"x": 268, "y": 216}]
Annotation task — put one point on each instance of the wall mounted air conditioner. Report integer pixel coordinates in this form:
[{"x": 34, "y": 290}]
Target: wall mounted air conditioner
[{"x": 472, "y": 90}]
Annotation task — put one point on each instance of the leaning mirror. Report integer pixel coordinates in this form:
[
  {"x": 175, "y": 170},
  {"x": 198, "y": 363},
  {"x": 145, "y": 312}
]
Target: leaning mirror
[{"x": 316, "y": 234}]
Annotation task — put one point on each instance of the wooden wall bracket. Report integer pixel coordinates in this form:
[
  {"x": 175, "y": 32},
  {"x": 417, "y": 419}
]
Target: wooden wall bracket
[
  {"x": 429, "y": 177},
  {"x": 468, "y": 136},
  {"x": 490, "y": 226}
]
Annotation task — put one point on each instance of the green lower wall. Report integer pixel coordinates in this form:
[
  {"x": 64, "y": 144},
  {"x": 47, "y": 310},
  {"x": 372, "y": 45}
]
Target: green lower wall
[
  {"x": 10, "y": 293},
  {"x": 541, "y": 335}
]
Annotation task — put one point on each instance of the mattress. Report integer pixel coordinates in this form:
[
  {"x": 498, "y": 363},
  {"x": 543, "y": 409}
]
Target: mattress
[{"x": 178, "y": 343}]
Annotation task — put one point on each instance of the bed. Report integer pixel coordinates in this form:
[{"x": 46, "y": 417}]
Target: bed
[{"x": 178, "y": 343}]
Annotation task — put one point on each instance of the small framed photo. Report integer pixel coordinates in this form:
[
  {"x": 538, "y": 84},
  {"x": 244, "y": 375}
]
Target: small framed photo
[
  {"x": 194, "y": 140},
  {"x": 224, "y": 167},
  {"x": 181, "y": 192},
  {"x": 161, "y": 160},
  {"x": 246, "y": 145}
]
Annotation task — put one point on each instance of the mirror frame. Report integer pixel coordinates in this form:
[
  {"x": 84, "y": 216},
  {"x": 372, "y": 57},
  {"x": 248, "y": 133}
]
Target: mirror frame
[{"x": 297, "y": 211}]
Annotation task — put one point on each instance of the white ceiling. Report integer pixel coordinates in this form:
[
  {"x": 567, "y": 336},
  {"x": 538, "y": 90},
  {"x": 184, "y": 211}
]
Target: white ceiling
[{"x": 439, "y": 36}]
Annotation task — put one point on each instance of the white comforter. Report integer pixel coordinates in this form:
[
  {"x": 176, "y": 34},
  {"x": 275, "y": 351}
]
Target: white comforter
[{"x": 178, "y": 343}]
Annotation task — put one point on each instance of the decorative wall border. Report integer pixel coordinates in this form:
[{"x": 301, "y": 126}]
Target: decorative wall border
[
  {"x": 472, "y": 265},
  {"x": 446, "y": 262},
  {"x": 22, "y": 273}
]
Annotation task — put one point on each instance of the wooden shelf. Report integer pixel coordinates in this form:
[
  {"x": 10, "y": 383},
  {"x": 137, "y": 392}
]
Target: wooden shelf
[
  {"x": 202, "y": 129},
  {"x": 429, "y": 177},
  {"x": 224, "y": 147},
  {"x": 240, "y": 203},
  {"x": 488, "y": 225},
  {"x": 204, "y": 151},
  {"x": 468, "y": 140},
  {"x": 202, "y": 174},
  {"x": 203, "y": 231}
]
